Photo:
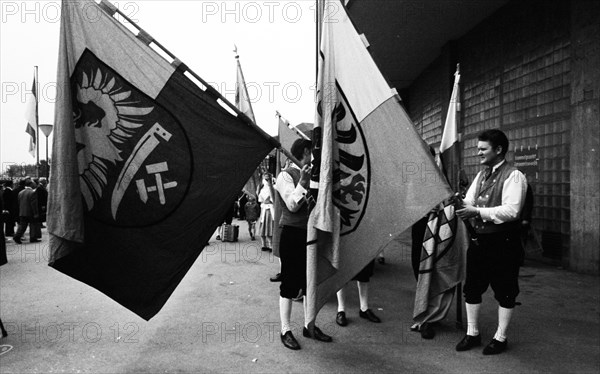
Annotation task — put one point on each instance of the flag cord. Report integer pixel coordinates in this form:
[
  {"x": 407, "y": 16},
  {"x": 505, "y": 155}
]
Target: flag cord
[{"x": 111, "y": 9}]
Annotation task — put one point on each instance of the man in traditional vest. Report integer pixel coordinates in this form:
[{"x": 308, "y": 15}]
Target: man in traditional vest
[
  {"x": 493, "y": 205},
  {"x": 292, "y": 189}
]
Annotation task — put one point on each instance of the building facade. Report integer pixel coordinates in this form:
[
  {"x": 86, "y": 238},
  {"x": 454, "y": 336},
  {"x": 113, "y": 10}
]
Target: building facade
[{"x": 532, "y": 69}]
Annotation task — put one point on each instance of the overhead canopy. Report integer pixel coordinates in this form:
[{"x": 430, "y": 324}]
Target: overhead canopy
[{"x": 407, "y": 35}]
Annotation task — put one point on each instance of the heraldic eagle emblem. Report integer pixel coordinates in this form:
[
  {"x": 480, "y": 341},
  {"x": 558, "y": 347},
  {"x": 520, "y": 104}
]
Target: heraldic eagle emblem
[{"x": 117, "y": 130}]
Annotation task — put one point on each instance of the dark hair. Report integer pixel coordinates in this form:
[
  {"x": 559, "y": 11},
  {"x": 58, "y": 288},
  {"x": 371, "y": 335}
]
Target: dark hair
[
  {"x": 496, "y": 138},
  {"x": 297, "y": 149}
]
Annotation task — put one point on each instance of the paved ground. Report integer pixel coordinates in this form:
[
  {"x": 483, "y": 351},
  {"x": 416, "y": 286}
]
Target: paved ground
[{"x": 224, "y": 317}]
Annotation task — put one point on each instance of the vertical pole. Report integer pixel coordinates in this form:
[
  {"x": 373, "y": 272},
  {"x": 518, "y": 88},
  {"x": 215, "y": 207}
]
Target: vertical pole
[
  {"x": 47, "y": 163},
  {"x": 459, "y": 318},
  {"x": 37, "y": 125}
]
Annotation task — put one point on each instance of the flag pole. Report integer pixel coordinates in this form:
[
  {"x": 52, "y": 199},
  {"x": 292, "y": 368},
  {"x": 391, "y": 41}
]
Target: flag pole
[
  {"x": 459, "y": 317},
  {"x": 37, "y": 124},
  {"x": 110, "y": 9},
  {"x": 237, "y": 59}
]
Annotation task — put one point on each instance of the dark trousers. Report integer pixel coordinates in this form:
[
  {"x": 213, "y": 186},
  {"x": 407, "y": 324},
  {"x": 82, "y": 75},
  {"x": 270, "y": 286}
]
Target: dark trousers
[
  {"x": 9, "y": 227},
  {"x": 35, "y": 231},
  {"x": 292, "y": 252},
  {"x": 495, "y": 261}
]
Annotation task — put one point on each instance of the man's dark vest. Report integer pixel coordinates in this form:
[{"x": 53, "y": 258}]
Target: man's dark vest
[
  {"x": 488, "y": 194},
  {"x": 298, "y": 218}
]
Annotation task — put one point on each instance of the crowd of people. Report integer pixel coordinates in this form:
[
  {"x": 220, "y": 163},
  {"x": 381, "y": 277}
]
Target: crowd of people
[{"x": 24, "y": 206}]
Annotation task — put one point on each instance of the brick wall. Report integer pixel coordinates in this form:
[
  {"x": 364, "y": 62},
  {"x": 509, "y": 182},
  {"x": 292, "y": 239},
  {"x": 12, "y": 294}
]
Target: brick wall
[{"x": 515, "y": 75}]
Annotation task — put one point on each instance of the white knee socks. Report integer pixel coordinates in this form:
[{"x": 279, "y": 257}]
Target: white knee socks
[
  {"x": 504, "y": 315},
  {"x": 341, "y": 297},
  {"x": 363, "y": 295},
  {"x": 472, "y": 318},
  {"x": 285, "y": 313}
]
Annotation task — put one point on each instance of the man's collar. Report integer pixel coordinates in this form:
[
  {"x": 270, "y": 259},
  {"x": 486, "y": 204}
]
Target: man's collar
[{"x": 495, "y": 167}]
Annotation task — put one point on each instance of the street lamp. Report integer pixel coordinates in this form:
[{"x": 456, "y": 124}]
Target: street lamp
[{"x": 47, "y": 130}]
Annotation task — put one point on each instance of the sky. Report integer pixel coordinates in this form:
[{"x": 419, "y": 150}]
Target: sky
[{"x": 275, "y": 42}]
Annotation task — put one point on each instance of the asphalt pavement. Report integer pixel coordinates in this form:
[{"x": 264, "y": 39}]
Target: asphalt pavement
[{"x": 224, "y": 318}]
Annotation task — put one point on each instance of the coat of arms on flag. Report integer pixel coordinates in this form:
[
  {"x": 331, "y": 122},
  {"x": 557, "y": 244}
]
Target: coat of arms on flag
[{"x": 116, "y": 124}]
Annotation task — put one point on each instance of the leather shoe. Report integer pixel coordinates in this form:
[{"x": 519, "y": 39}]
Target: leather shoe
[
  {"x": 495, "y": 347},
  {"x": 17, "y": 240},
  {"x": 34, "y": 240},
  {"x": 468, "y": 342},
  {"x": 289, "y": 341},
  {"x": 317, "y": 335},
  {"x": 340, "y": 319},
  {"x": 368, "y": 314},
  {"x": 427, "y": 332},
  {"x": 276, "y": 278}
]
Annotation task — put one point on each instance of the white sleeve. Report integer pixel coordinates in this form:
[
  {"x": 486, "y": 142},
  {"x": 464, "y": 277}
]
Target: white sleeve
[
  {"x": 293, "y": 196},
  {"x": 470, "y": 196},
  {"x": 513, "y": 198}
]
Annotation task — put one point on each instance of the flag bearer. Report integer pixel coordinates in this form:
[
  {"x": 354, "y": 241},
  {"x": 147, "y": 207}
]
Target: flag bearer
[{"x": 493, "y": 203}]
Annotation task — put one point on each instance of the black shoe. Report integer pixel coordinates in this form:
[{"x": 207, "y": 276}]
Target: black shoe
[
  {"x": 427, "y": 332},
  {"x": 340, "y": 319},
  {"x": 266, "y": 249},
  {"x": 468, "y": 342},
  {"x": 17, "y": 240},
  {"x": 276, "y": 278},
  {"x": 218, "y": 237},
  {"x": 317, "y": 335},
  {"x": 495, "y": 347},
  {"x": 289, "y": 341},
  {"x": 368, "y": 314},
  {"x": 34, "y": 240}
]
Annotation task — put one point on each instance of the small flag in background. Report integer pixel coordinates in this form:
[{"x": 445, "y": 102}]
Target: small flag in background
[
  {"x": 373, "y": 176},
  {"x": 449, "y": 146},
  {"x": 242, "y": 102},
  {"x": 146, "y": 163},
  {"x": 31, "y": 115}
]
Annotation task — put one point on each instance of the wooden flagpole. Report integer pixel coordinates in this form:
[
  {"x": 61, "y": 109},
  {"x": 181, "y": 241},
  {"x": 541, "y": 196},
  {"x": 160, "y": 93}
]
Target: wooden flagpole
[
  {"x": 110, "y": 9},
  {"x": 459, "y": 306}
]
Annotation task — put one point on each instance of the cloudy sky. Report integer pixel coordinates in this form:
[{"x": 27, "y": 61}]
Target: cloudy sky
[{"x": 275, "y": 41}]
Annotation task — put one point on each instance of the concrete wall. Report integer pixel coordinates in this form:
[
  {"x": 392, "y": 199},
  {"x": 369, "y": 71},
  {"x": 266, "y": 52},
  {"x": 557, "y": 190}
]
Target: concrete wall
[
  {"x": 585, "y": 104},
  {"x": 518, "y": 72}
]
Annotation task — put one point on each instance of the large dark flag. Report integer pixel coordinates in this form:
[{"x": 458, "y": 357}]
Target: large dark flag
[
  {"x": 145, "y": 164},
  {"x": 442, "y": 264},
  {"x": 373, "y": 176}
]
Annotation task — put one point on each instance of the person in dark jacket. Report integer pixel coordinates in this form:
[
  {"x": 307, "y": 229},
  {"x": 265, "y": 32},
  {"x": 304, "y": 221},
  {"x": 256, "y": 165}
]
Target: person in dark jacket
[{"x": 28, "y": 213}]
